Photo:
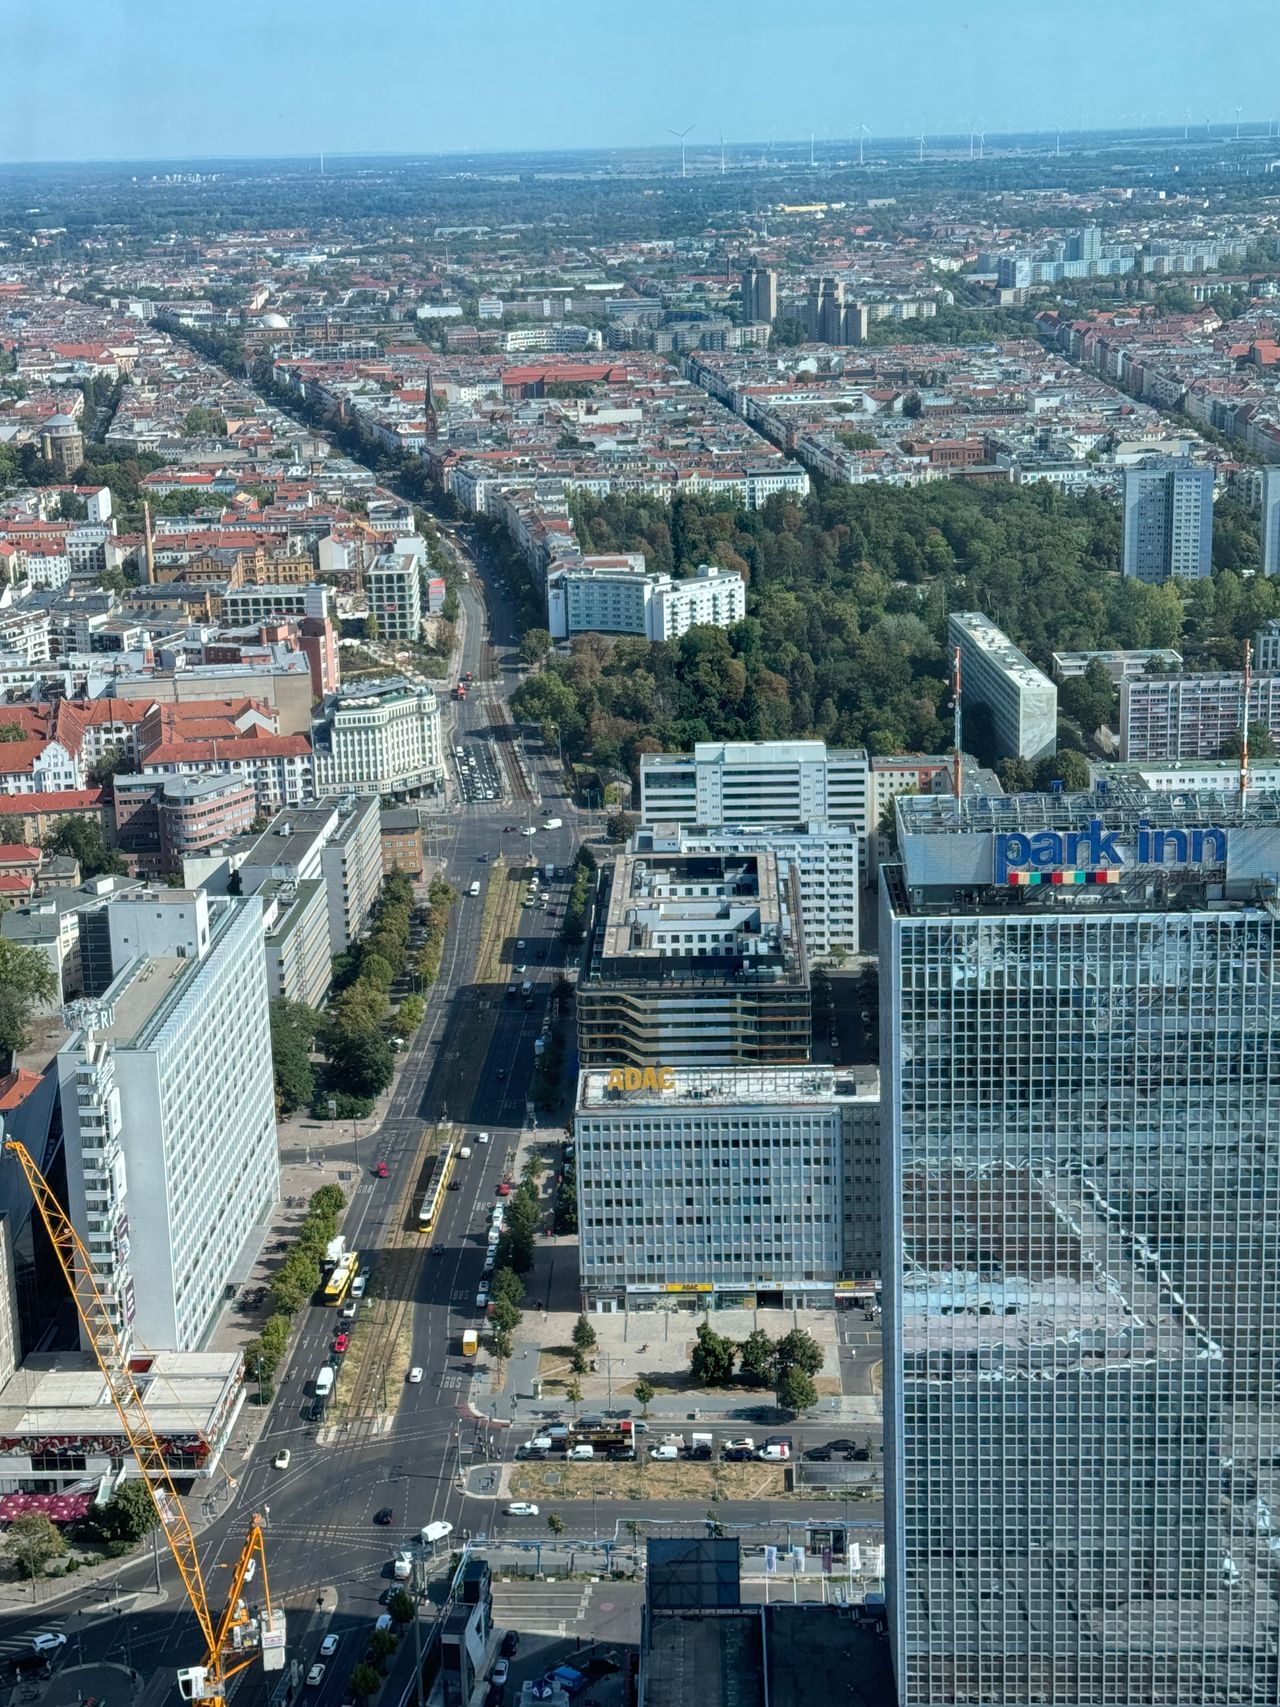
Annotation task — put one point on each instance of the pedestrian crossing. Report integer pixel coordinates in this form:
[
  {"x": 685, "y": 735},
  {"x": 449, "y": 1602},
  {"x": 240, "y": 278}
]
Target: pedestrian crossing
[
  {"x": 542, "y": 1609},
  {"x": 19, "y": 1646}
]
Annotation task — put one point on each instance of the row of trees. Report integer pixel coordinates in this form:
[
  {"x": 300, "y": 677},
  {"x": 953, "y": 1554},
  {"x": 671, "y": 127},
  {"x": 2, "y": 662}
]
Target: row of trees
[
  {"x": 294, "y": 1283},
  {"x": 577, "y": 908},
  {"x": 787, "y": 1365}
]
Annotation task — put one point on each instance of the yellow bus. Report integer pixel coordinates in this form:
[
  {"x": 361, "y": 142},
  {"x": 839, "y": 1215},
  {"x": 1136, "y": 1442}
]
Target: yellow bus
[
  {"x": 437, "y": 1185},
  {"x": 338, "y": 1286}
]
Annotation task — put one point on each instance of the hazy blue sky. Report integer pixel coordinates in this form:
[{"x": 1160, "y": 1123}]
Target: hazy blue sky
[{"x": 136, "y": 79}]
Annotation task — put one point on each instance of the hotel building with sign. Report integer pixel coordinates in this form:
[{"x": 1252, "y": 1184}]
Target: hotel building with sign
[
  {"x": 736, "y": 1188},
  {"x": 1081, "y": 1087}
]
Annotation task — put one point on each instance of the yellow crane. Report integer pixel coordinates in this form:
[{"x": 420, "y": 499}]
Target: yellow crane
[{"x": 225, "y": 1654}]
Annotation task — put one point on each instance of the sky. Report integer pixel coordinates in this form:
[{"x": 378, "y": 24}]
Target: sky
[{"x": 185, "y": 79}]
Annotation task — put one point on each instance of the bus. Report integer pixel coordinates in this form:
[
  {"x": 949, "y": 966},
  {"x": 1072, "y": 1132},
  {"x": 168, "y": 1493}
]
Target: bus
[
  {"x": 338, "y": 1286},
  {"x": 437, "y": 1185}
]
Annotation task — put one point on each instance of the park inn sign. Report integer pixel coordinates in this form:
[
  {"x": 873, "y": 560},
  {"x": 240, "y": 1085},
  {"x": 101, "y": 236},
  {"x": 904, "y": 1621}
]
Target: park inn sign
[
  {"x": 1095, "y": 854},
  {"x": 641, "y": 1079}
]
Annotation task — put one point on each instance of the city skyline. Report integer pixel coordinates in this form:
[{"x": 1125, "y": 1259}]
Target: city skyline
[{"x": 937, "y": 75}]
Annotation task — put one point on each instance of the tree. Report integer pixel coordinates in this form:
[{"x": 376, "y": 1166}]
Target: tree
[
  {"x": 372, "y": 628},
  {"x": 912, "y": 406},
  {"x": 365, "y": 1680},
  {"x": 81, "y": 838},
  {"x": 645, "y": 1393},
  {"x": 202, "y": 423},
  {"x": 401, "y": 1607},
  {"x": 799, "y": 1350},
  {"x": 1261, "y": 744},
  {"x": 26, "y": 980},
  {"x": 507, "y": 1284},
  {"x": 127, "y": 1516},
  {"x": 555, "y": 1523},
  {"x": 584, "y": 1335},
  {"x": 362, "y": 1062},
  {"x": 573, "y": 1392},
  {"x": 501, "y": 1344},
  {"x": 12, "y": 732},
  {"x": 795, "y": 1390},
  {"x": 503, "y": 1314},
  {"x": 1091, "y": 698},
  {"x": 382, "y": 1645},
  {"x": 32, "y": 1541},
  {"x": 1068, "y": 767},
  {"x": 112, "y": 579},
  {"x": 578, "y": 1361},
  {"x": 1017, "y": 776},
  {"x": 756, "y": 1358},
  {"x": 410, "y": 1014},
  {"x": 712, "y": 1362},
  {"x": 293, "y": 1030},
  {"x": 535, "y": 643},
  {"x": 618, "y": 826}
]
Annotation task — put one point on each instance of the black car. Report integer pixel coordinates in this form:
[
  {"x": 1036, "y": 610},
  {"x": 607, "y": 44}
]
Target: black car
[
  {"x": 862, "y": 1454},
  {"x": 819, "y": 1454},
  {"x": 510, "y": 1642},
  {"x": 385, "y": 1515},
  {"x": 843, "y": 1445},
  {"x": 738, "y": 1454},
  {"x": 387, "y": 1596}
]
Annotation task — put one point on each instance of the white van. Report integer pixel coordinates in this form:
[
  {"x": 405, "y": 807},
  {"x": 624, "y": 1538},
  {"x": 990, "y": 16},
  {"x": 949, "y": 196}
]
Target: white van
[
  {"x": 474, "y": 889},
  {"x": 324, "y": 1382},
  {"x": 438, "y": 1531},
  {"x": 578, "y": 1454}
]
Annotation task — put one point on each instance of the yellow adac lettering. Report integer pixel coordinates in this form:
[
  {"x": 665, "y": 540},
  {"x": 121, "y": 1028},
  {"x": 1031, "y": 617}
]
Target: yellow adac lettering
[
  {"x": 633, "y": 1078},
  {"x": 615, "y": 1080},
  {"x": 666, "y": 1078}
]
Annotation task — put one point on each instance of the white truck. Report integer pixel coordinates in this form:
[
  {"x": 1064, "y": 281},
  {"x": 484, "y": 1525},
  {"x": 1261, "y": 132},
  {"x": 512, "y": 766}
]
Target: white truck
[
  {"x": 702, "y": 1445},
  {"x": 335, "y": 1250}
]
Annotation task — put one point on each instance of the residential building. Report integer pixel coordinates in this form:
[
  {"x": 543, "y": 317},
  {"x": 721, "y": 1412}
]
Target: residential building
[
  {"x": 1082, "y": 1172},
  {"x": 1266, "y": 645},
  {"x": 382, "y": 737},
  {"x": 826, "y": 858},
  {"x": 1118, "y": 664},
  {"x": 1178, "y": 776},
  {"x": 251, "y": 605},
  {"x": 694, "y": 959},
  {"x": 617, "y": 595},
  {"x": 52, "y": 922},
  {"x": 1010, "y": 709},
  {"x": 295, "y": 926},
  {"x": 1193, "y": 717},
  {"x": 401, "y": 832},
  {"x": 196, "y": 813},
  {"x": 1168, "y": 520},
  {"x": 338, "y": 841},
  {"x": 393, "y": 588},
  {"x": 729, "y": 1188},
  {"x": 169, "y": 1113},
  {"x": 760, "y": 295},
  {"x": 756, "y": 782}
]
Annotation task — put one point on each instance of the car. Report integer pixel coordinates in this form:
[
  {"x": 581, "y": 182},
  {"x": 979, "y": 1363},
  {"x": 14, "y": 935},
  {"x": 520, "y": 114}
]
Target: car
[
  {"x": 382, "y": 1170},
  {"x": 504, "y": 1188},
  {"x": 384, "y": 1515},
  {"x": 329, "y": 1646},
  {"x": 862, "y": 1454},
  {"x": 415, "y": 1375},
  {"x": 521, "y": 1508},
  {"x": 282, "y": 1460},
  {"x": 519, "y": 944},
  {"x": 315, "y": 1677},
  {"x": 843, "y": 1445},
  {"x": 528, "y": 830},
  {"x": 360, "y": 1284},
  {"x": 499, "y": 1672},
  {"x": 521, "y": 969},
  {"x": 349, "y": 1309},
  {"x": 743, "y": 1444},
  {"x": 489, "y": 1259},
  {"x": 736, "y": 1454},
  {"x": 508, "y": 829},
  {"x": 341, "y": 1343},
  {"x": 455, "y": 1185},
  {"x": 510, "y": 1643},
  {"x": 482, "y": 1137},
  {"x": 48, "y": 1642},
  {"x": 819, "y": 1454},
  {"x": 387, "y": 1596},
  {"x": 501, "y": 1073},
  {"x": 482, "y": 1295}
]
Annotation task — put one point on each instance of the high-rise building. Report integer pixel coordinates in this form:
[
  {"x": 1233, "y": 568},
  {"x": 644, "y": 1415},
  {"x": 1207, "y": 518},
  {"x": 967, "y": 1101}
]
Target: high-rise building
[
  {"x": 694, "y": 959},
  {"x": 1168, "y": 520},
  {"x": 1193, "y": 717},
  {"x": 760, "y": 294},
  {"x": 743, "y": 1188},
  {"x": 337, "y": 841},
  {"x": 756, "y": 782},
  {"x": 394, "y": 590},
  {"x": 1017, "y": 705},
  {"x": 1081, "y": 1093},
  {"x": 168, "y": 1111}
]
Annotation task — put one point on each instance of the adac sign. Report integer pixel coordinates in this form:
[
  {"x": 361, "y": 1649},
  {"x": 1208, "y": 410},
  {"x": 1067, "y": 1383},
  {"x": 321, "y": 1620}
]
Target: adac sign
[
  {"x": 1096, "y": 854},
  {"x": 641, "y": 1079}
]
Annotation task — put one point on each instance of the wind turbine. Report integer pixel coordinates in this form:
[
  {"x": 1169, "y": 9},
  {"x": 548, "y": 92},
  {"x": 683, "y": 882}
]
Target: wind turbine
[
  {"x": 722, "y": 154},
  {"x": 863, "y": 134},
  {"x": 1186, "y": 123},
  {"x": 982, "y": 145},
  {"x": 920, "y": 139},
  {"x": 681, "y": 134},
  {"x": 811, "y": 150}
]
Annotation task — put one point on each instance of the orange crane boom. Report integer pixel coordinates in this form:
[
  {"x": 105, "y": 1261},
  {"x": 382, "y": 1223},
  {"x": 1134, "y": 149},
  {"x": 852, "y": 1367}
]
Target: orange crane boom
[{"x": 198, "y": 1683}]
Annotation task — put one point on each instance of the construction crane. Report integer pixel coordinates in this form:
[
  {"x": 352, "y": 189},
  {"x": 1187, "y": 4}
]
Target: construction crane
[{"x": 224, "y": 1638}]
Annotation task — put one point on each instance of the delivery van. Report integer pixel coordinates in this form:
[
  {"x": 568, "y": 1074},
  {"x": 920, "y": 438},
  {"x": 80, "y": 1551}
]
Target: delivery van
[
  {"x": 324, "y": 1383},
  {"x": 470, "y": 1342}
]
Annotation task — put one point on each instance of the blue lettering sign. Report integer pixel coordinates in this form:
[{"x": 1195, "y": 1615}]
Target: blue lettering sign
[{"x": 1094, "y": 848}]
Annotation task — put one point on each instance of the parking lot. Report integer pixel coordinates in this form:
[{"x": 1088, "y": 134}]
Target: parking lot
[{"x": 479, "y": 777}]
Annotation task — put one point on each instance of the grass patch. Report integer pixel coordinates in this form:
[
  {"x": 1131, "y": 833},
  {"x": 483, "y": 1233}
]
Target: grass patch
[{"x": 644, "y": 1479}]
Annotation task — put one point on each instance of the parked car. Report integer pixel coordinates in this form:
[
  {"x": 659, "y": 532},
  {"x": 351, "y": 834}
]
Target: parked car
[
  {"x": 499, "y": 1672},
  {"x": 341, "y": 1343},
  {"x": 745, "y": 1444},
  {"x": 510, "y": 1643},
  {"x": 504, "y": 1188},
  {"x": 415, "y": 1375}
]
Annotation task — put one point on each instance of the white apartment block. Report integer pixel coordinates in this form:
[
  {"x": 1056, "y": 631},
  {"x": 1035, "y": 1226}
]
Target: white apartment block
[
  {"x": 745, "y": 783},
  {"x": 1192, "y": 717},
  {"x": 295, "y": 926},
  {"x": 1190, "y": 776},
  {"x": 617, "y": 595},
  {"x": 731, "y": 1188},
  {"x": 169, "y": 1113},
  {"x": 827, "y": 860},
  {"x": 380, "y": 738},
  {"x": 1118, "y": 664},
  {"x": 393, "y": 588},
  {"x": 1266, "y": 645},
  {"x": 24, "y": 631},
  {"x": 1022, "y": 702},
  {"x": 337, "y": 842},
  {"x": 243, "y": 607}
]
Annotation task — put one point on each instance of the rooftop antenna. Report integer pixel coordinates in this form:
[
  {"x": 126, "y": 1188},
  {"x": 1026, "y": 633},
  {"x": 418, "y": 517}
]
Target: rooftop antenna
[
  {"x": 958, "y": 759},
  {"x": 1244, "y": 725},
  {"x": 681, "y": 134}
]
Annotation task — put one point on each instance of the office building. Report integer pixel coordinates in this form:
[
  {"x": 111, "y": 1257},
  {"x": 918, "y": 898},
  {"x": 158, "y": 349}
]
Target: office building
[
  {"x": 1082, "y": 1287},
  {"x": 735, "y": 1188},
  {"x": 250, "y": 605},
  {"x": 337, "y": 842},
  {"x": 295, "y": 937},
  {"x": 826, "y": 858},
  {"x": 1168, "y": 520},
  {"x": 694, "y": 959},
  {"x": 1193, "y": 717},
  {"x": 1013, "y": 272},
  {"x": 1120, "y": 665},
  {"x": 756, "y": 782},
  {"x": 1009, "y": 708},
  {"x": 617, "y": 595},
  {"x": 760, "y": 295},
  {"x": 380, "y": 737},
  {"x": 393, "y": 588},
  {"x": 197, "y": 813},
  {"x": 1266, "y": 646},
  {"x": 168, "y": 1112}
]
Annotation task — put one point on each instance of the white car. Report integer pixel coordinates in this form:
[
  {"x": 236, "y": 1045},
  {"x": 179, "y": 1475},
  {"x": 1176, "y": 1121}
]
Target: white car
[
  {"x": 522, "y": 1508},
  {"x": 489, "y": 1260},
  {"x": 520, "y": 944},
  {"x": 482, "y": 1137},
  {"x": 48, "y": 1642},
  {"x": 482, "y": 1295},
  {"x": 329, "y": 1646},
  {"x": 415, "y": 1375},
  {"x": 315, "y": 1676},
  {"x": 281, "y": 1459},
  {"x": 499, "y": 1673}
]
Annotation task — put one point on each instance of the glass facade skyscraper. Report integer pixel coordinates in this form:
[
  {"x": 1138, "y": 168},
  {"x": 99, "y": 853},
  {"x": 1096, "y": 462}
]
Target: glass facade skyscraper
[{"x": 1081, "y": 1090}]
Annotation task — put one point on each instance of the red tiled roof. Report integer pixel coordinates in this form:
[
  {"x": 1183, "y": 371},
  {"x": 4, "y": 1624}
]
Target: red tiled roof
[
  {"x": 16, "y": 1087},
  {"x": 56, "y": 800},
  {"x": 233, "y": 747},
  {"x": 15, "y": 853},
  {"x": 16, "y": 883}
]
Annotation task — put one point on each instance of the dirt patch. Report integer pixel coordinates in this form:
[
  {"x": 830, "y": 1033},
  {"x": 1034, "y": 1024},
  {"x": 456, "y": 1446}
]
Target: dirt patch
[{"x": 644, "y": 1480}]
